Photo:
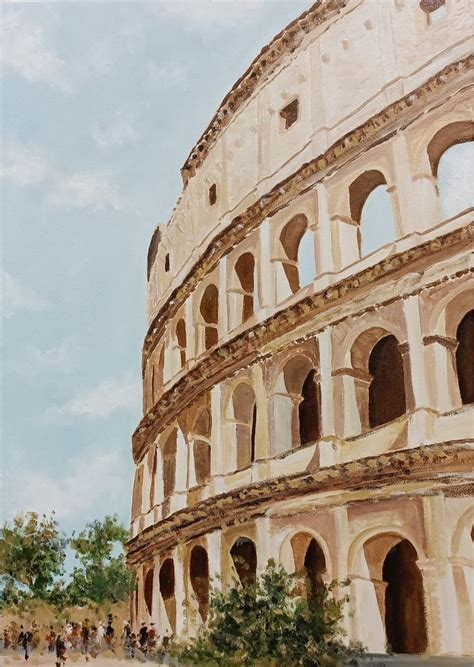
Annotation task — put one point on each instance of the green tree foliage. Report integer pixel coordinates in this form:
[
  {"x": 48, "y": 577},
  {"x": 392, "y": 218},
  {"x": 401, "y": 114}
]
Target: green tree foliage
[
  {"x": 101, "y": 577},
  {"x": 270, "y": 623},
  {"x": 32, "y": 553}
]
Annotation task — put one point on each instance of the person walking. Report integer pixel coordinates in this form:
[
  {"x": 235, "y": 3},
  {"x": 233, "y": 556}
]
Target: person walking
[
  {"x": 85, "y": 636},
  {"x": 109, "y": 632},
  {"x": 24, "y": 639},
  {"x": 60, "y": 650},
  {"x": 143, "y": 637}
]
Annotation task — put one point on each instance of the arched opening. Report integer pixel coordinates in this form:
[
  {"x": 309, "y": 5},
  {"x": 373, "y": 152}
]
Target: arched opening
[
  {"x": 451, "y": 156},
  {"x": 181, "y": 340},
  {"x": 199, "y": 575},
  {"x": 167, "y": 588},
  {"x": 209, "y": 308},
  {"x": 245, "y": 270},
  {"x": 137, "y": 492},
  {"x": 310, "y": 565},
  {"x": 244, "y": 556},
  {"x": 148, "y": 590},
  {"x": 387, "y": 399},
  {"x": 153, "y": 477},
  {"x": 202, "y": 446},
  {"x": 465, "y": 358},
  {"x": 298, "y": 246},
  {"x": 296, "y": 405},
  {"x": 309, "y": 410},
  {"x": 371, "y": 208},
  {"x": 405, "y": 622},
  {"x": 169, "y": 464},
  {"x": 245, "y": 418}
]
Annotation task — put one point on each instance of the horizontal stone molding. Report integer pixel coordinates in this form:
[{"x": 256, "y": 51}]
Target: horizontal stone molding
[
  {"x": 287, "y": 41},
  {"x": 379, "y": 128},
  {"x": 246, "y": 348},
  {"x": 448, "y": 463}
]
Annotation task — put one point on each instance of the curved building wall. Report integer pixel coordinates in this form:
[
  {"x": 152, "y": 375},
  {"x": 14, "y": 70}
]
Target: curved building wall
[{"x": 307, "y": 382}]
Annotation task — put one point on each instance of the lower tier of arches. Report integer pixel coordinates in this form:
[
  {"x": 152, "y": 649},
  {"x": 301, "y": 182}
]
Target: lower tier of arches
[{"x": 407, "y": 552}]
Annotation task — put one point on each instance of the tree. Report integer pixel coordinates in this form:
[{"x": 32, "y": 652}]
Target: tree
[
  {"x": 32, "y": 553},
  {"x": 268, "y": 623},
  {"x": 101, "y": 577}
]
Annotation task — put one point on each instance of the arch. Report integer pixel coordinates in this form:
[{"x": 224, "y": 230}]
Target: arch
[
  {"x": 137, "y": 492},
  {"x": 450, "y": 135},
  {"x": 181, "y": 340},
  {"x": 148, "y": 590},
  {"x": 153, "y": 468},
  {"x": 202, "y": 445},
  {"x": 386, "y": 369},
  {"x": 167, "y": 589},
  {"x": 209, "y": 309},
  {"x": 287, "y": 554},
  {"x": 199, "y": 577},
  {"x": 371, "y": 208},
  {"x": 465, "y": 357},
  {"x": 297, "y": 243},
  {"x": 244, "y": 411},
  {"x": 405, "y": 621},
  {"x": 461, "y": 542},
  {"x": 385, "y": 559},
  {"x": 245, "y": 270},
  {"x": 169, "y": 463},
  {"x": 296, "y": 404},
  {"x": 244, "y": 557},
  {"x": 310, "y": 564}
]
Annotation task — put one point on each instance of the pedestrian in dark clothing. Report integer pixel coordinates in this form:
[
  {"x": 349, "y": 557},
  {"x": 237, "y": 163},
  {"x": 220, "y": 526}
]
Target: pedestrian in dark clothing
[
  {"x": 60, "y": 651},
  {"x": 24, "y": 638},
  {"x": 85, "y": 636},
  {"x": 109, "y": 632},
  {"x": 143, "y": 637}
]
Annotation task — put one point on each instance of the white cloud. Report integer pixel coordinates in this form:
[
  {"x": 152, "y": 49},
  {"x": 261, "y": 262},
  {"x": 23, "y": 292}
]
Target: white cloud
[
  {"x": 86, "y": 485},
  {"x": 23, "y": 164},
  {"x": 119, "y": 131},
  {"x": 17, "y": 297},
  {"x": 25, "y": 50},
  {"x": 88, "y": 189},
  {"x": 210, "y": 14},
  {"x": 109, "y": 396},
  {"x": 169, "y": 74}
]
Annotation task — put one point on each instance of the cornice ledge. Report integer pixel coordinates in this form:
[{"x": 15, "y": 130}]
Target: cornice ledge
[
  {"x": 339, "y": 153},
  {"x": 244, "y": 348},
  {"x": 445, "y": 459}
]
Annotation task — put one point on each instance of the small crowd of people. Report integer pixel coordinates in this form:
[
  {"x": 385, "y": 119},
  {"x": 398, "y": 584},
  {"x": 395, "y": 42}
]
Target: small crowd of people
[{"x": 86, "y": 638}]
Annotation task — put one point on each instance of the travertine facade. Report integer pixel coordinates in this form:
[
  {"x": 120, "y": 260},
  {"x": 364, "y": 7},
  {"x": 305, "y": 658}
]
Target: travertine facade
[{"x": 308, "y": 367}]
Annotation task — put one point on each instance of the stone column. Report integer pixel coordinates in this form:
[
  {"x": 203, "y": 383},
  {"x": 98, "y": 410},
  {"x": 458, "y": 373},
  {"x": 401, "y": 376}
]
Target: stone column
[
  {"x": 353, "y": 385},
  {"x": 442, "y": 612},
  {"x": 159, "y": 490},
  {"x": 339, "y": 563},
  {"x": 223, "y": 326},
  {"x": 415, "y": 195},
  {"x": 420, "y": 427},
  {"x": 190, "y": 331},
  {"x": 443, "y": 382},
  {"x": 217, "y": 441},
  {"x": 325, "y": 260},
  {"x": 214, "y": 554},
  {"x": 327, "y": 444},
  {"x": 265, "y": 270},
  {"x": 178, "y": 498},
  {"x": 180, "y": 591},
  {"x": 262, "y": 439},
  {"x": 367, "y": 621},
  {"x": 263, "y": 543},
  {"x": 346, "y": 244}
]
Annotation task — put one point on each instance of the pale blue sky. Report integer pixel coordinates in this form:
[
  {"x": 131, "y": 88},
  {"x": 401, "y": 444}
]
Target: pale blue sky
[{"x": 101, "y": 103}]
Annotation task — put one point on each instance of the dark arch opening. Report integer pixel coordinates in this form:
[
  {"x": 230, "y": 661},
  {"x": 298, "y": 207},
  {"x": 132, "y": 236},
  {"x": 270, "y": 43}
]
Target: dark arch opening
[
  {"x": 245, "y": 415},
  {"x": 181, "y": 338},
  {"x": 244, "y": 555},
  {"x": 245, "y": 269},
  {"x": 405, "y": 621},
  {"x": 169, "y": 464},
  {"x": 290, "y": 239},
  {"x": 448, "y": 136},
  {"x": 253, "y": 434},
  {"x": 465, "y": 357},
  {"x": 202, "y": 447},
  {"x": 167, "y": 588},
  {"x": 209, "y": 309},
  {"x": 148, "y": 592},
  {"x": 315, "y": 565},
  {"x": 361, "y": 188},
  {"x": 199, "y": 575},
  {"x": 387, "y": 399},
  {"x": 309, "y": 410}
]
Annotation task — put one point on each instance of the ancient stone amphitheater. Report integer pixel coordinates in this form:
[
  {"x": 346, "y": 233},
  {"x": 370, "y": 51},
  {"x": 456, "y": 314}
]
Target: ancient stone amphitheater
[{"x": 308, "y": 365}]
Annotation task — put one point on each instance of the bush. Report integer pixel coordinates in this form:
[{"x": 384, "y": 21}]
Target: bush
[{"x": 268, "y": 623}]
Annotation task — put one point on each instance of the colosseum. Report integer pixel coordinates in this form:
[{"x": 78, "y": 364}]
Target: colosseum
[{"x": 308, "y": 366}]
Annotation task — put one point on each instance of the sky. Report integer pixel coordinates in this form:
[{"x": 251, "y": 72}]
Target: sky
[{"x": 100, "y": 106}]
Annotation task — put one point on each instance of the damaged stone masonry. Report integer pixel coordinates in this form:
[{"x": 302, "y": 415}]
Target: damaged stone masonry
[{"x": 308, "y": 374}]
